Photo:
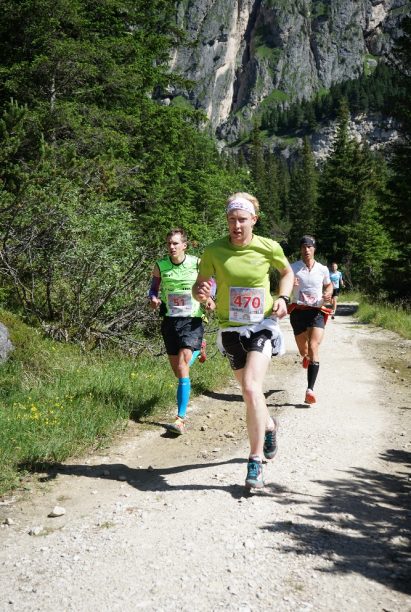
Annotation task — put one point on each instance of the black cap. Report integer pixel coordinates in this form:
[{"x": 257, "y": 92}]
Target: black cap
[{"x": 307, "y": 240}]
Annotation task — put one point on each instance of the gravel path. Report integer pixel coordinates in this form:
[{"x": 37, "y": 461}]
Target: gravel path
[{"x": 165, "y": 524}]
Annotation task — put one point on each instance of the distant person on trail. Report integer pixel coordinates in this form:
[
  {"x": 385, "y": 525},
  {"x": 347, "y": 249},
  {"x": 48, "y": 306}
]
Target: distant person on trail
[
  {"x": 182, "y": 325},
  {"x": 308, "y": 311},
  {"x": 247, "y": 314},
  {"x": 337, "y": 280}
]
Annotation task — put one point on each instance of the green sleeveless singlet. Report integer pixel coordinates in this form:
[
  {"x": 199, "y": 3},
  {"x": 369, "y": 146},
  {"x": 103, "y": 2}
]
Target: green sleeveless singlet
[{"x": 176, "y": 284}]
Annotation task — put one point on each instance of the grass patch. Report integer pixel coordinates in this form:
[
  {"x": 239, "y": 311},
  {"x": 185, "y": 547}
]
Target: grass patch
[
  {"x": 370, "y": 64},
  {"x": 181, "y": 102},
  {"x": 385, "y": 315},
  {"x": 57, "y": 401},
  {"x": 319, "y": 9},
  {"x": 275, "y": 97},
  {"x": 272, "y": 54}
]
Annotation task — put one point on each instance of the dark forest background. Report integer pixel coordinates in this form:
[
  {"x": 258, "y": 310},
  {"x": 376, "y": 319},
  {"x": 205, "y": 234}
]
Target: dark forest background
[{"x": 94, "y": 170}]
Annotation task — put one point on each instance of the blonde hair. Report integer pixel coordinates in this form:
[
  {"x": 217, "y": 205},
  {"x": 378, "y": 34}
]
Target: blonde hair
[{"x": 242, "y": 194}]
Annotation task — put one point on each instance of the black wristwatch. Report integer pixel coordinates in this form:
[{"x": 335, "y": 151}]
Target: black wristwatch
[{"x": 285, "y": 298}]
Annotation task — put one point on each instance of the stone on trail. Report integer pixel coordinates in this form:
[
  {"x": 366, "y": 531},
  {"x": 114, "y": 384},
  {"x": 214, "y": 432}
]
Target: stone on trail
[
  {"x": 57, "y": 511},
  {"x": 35, "y": 531}
]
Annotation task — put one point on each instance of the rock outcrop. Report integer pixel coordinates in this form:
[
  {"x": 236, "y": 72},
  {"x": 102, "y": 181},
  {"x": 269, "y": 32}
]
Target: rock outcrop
[
  {"x": 5, "y": 344},
  {"x": 244, "y": 54}
]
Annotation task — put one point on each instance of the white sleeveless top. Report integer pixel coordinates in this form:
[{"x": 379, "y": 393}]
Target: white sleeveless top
[{"x": 309, "y": 290}]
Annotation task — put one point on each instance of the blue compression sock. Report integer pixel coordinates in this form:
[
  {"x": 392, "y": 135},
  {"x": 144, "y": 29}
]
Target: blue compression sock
[
  {"x": 183, "y": 395},
  {"x": 193, "y": 358}
]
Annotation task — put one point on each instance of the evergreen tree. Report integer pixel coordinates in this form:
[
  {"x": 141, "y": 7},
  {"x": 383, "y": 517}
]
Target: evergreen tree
[
  {"x": 270, "y": 223},
  {"x": 398, "y": 266},
  {"x": 94, "y": 170},
  {"x": 303, "y": 197},
  {"x": 257, "y": 165},
  {"x": 352, "y": 226}
]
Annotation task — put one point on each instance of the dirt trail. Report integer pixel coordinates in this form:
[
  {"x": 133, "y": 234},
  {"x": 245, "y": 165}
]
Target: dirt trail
[{"x": 165, "y": 524}]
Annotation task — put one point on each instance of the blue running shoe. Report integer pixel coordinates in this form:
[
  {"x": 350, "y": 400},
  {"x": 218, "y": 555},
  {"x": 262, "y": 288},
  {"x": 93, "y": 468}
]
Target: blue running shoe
[
  {"x": 254, "y": 478},
  {"x": 270, "y": 441}
]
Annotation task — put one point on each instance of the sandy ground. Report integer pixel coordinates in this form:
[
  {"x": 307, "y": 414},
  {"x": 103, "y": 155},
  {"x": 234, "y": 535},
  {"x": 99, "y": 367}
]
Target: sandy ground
[{"x": 159, "y": 523}]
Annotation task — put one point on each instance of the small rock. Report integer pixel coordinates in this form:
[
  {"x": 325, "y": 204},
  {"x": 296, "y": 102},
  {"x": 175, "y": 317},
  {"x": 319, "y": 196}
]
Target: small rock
[
  {"x": 229, "y": 434},
  {"x": 57, "y": 511},
  {"x": 150, "y": 468},
  {"x": 9, "y": 521},
  {"x": 216, "y": 450},
  {"x": 35, "y": 531},
  {"x": 203, "y": 428}
]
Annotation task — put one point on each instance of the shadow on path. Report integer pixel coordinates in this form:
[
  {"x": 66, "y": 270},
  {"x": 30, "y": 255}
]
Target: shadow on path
[
  {"x": 236, "y": 397},
  {"x": 361, "y": 524},
  {"x": 150, "y": 479}
]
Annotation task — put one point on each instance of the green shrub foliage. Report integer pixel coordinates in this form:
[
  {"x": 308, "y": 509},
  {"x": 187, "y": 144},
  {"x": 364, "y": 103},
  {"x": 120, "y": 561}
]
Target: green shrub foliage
[{"x": 94, "y": 169}]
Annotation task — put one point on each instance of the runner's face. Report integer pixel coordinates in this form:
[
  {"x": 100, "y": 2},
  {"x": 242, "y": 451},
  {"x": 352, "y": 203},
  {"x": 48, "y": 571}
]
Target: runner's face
[
  {"x": 307, "y": 252},
  {"x": 176, "y": 247},
  {"x": 240, "y": 226}
]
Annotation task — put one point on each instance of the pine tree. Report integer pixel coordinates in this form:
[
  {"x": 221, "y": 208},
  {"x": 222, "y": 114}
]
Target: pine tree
[
  {"x": 271, "y": 223},
  {"x": 398, "y": 266},
  {"x": 303, "y": 197},
  {"x": 352, "y": 229}
]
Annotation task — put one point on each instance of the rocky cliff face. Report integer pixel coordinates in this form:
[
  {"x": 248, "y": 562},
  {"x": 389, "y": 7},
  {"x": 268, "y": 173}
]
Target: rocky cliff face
[{"x": 244, "y": 54}]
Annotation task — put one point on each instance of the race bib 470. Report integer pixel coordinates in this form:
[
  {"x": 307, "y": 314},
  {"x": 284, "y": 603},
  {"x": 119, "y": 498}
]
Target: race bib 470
[{"x": 246, "y": 304}]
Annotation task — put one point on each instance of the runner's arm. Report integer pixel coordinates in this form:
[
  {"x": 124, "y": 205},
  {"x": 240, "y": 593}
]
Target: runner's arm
[
  {"x": 327, "y": 291},
  {"x": 210, "y": 303},
  {"x": 202, "y": 288},
  {"x": 285, "y": 288},
  {"x": 154, "y": 288}
]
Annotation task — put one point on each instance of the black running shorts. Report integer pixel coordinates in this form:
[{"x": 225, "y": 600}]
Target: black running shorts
[
  {"x": 301, "y": 320},
  {"x": 182, "y": 332},
  {"x": 237, "y": 347}
]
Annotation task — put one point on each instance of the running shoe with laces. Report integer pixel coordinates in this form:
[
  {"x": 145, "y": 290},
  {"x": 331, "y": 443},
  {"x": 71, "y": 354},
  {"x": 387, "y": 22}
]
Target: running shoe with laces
[
  {"x": 254, "y": 478},
  {"x": 203, "y": 355},
  {"x": 270, "y": 441},
  {"x": 310, "y": 397},
  {"x": 178, "y": 427},
  {"x": 305, "y": 362}
]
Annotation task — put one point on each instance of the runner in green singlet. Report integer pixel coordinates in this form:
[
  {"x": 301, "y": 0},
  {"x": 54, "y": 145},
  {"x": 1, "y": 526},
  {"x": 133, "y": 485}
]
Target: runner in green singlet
[
  {"x": 247, "y": 314},
  {"x": 182, "y": 316}
]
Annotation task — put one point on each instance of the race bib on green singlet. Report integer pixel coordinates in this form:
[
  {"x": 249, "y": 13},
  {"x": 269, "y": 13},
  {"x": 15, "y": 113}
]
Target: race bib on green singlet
[
  {"x": 246, "y": 304},
  {"x": 179, "y": 304}
]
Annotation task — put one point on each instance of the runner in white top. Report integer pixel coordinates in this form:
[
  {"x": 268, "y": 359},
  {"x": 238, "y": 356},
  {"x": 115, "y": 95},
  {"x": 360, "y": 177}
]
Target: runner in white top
[{"x": 308, "y": 312}]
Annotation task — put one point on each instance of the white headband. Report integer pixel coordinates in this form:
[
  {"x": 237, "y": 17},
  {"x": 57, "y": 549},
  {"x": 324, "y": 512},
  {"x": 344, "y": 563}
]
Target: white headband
[{"x": 240, "y": 204}]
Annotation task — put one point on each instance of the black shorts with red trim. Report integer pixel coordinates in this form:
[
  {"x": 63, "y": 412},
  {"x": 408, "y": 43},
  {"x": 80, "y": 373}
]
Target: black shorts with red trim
[{"x": 305, "y": 317}]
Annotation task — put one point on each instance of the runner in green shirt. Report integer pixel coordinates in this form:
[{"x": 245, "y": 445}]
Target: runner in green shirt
[
  {"x": 182, "y": 324},
  {"x": 240, "y": 264}
]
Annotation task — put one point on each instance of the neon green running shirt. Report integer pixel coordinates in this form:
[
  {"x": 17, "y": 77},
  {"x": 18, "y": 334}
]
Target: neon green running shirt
[
  {"x": 175, "y": 287},
  {"x": 242, "y": 277}
]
